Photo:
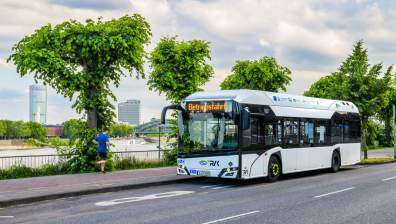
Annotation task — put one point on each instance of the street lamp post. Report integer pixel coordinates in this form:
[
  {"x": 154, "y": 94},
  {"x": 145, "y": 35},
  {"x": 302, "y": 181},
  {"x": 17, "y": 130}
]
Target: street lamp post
[
  {"x": 394, "y": 131},
  {"x": 159, "y": 141}
]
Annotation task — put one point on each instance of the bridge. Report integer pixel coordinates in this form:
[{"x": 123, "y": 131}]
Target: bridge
[{"x": 152, "y": 127}]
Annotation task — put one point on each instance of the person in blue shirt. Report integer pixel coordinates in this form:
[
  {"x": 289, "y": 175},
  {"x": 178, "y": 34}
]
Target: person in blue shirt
[{"x": 102, "y": 140}]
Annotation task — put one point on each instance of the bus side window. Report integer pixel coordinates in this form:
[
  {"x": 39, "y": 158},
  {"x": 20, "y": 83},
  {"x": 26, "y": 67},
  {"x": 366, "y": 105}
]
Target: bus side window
[
  {"x": 269, "y": 134},
  {"x": 307, "y": 132},
  {"x": 290, "y": 131},
  {"x": 336, "y": 131},
  {"x": 321, "y": 132}
]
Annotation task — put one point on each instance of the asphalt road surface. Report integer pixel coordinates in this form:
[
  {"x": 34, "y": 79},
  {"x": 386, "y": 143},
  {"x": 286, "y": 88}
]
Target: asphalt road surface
[{"x": 354, "y": 195}]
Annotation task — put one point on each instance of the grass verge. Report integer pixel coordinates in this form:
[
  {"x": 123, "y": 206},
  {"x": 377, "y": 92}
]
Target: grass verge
[{"x": 377, "y": 160}]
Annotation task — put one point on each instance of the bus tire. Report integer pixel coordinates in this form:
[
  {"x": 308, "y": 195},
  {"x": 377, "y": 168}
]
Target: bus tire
[
  {"x": 274, "y": 169},
  {"x": 335, "y": 162}
]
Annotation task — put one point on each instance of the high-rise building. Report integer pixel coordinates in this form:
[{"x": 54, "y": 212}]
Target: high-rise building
[
  {"x": 38, "y": 103},
  {"x": 129, "y": 112}
]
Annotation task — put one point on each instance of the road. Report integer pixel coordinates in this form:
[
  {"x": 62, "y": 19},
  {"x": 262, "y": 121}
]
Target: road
[{"x": 354, "y": 195}]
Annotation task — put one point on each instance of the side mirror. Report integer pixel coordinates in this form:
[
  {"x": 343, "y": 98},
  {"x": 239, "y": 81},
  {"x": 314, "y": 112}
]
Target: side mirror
[
  {"x": 171, "y": 107},
  {"x": 245, "y": 118}
]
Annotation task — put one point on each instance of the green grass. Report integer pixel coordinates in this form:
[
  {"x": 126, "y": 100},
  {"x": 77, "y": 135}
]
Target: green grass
[
  {"x": 133, "y": 163},
  {"x": 377, "y": 160},
  {"x": 154, "y": 135},
  {"x": 21, "y": 171},
  {"x": 374, "y": 147}
]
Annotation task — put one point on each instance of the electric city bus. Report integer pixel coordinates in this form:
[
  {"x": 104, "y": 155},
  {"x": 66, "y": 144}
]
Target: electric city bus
[{"x": 248, "y": 134}]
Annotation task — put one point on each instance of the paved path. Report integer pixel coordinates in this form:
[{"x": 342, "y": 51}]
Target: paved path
[
  {"x": 356, "y": 195},
  {"x": 380, "y": 153},
  {"x": 41, "y": 188}
]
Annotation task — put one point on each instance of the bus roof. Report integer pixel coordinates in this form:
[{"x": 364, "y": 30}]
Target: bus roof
[{"x": 277, "y": 101}]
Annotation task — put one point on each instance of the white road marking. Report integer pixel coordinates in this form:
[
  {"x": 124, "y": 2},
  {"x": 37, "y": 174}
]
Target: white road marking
[
  {"x": 6, "y": 217},
  {"x": 231, "y": 217},
  {"x": 208, "y": 186},
  {"x": 334, "y": 192},
  {"x": 221, "y": 187},
  {"x": 389, "y": 178},
  {"x": 143, "y": 198}
]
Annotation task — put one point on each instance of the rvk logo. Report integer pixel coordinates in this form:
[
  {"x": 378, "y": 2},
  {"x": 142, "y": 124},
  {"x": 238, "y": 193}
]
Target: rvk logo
[{"x": 211, "y": 162}]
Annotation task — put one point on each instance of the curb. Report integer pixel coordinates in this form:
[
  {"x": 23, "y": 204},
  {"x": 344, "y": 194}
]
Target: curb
[
  {"x": 374, "y": 164},
  {"x": 29, "y": 200}
]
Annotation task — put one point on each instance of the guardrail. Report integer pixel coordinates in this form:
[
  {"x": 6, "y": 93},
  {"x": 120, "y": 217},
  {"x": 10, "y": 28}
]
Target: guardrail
[{"x": 36, "y": 161}]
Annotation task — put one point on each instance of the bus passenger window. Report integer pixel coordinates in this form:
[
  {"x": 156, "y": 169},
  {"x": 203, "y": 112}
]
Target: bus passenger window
[
  {"x": 307, "y": 132},
  {"x": 269, "y": 134},
  {"x": 321, "y": 132},
  {"x": 336, "y": 131},
  {"x": 290, "y": 131}
]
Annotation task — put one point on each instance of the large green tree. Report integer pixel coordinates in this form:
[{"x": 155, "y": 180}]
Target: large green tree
[
  {"x": 263, "y": 74},
  {"x": 179, "y": 68},
  {"x": 386, "y": 114},
  {"x": 82, "y": 61},
  {"x": 359, "y": 82}
]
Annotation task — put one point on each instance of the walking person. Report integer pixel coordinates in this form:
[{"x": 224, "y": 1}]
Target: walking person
[{"x": 102, "y": 140}]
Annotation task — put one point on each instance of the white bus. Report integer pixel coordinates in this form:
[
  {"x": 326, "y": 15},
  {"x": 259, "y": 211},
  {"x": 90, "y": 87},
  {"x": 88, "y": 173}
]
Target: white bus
[{"x": 248, "y": 134}]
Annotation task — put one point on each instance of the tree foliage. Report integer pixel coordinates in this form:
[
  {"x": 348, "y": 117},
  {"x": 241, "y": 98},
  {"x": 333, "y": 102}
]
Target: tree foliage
[
  {"x": 120, "y": 130},
  {"x": 179, "y": 68},
  {"x": 263, "y": 74},
  {"x": 20, "y": 129},
  {"x": 73, "y": 127},
  {"x": 359, "y": 82},
  {"x": 82, "y": 60}
]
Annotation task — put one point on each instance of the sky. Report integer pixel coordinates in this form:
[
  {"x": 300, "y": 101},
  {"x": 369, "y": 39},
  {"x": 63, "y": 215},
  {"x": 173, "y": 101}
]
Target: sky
[{"x": 309, "y": 37}]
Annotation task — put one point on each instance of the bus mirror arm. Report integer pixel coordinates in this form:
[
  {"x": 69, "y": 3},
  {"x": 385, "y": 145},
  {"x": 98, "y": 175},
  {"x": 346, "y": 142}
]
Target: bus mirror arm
[{"x": 170, "y": 107}]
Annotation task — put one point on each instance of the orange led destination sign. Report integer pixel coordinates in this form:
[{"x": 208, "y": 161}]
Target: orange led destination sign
[{"x": 212, "y": 106}]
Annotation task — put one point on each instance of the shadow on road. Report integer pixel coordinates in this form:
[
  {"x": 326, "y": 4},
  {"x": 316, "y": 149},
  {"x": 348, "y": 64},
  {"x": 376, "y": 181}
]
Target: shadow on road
[{"x": 202, "y": 181}]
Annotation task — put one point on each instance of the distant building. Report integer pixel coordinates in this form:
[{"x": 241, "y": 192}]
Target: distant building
[
  {"x": 38, "y": 103},
  {"x": 54, "y": 130},
  {"x": 129, "y": 112}
]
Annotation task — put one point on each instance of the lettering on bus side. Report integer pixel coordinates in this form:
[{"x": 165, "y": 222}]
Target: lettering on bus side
[{"x": 210, "y": 162}]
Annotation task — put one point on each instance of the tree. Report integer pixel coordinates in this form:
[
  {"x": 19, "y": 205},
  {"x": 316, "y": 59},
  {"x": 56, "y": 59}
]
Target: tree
[
  {"x": 120, "y": 130},
  {"x": 72, "y": 128},
  {"x": 37, "y": 130},
  {"x": 82, "y": 60},
  {"x": 359, "y": 82},
  {"x": 3, "y": 128},
  {"x": 24, "y": 129},
  {"x": 386, "y": 113},
  {"x": 179, "y": 68},
  {"x": 263, "y": 74}
]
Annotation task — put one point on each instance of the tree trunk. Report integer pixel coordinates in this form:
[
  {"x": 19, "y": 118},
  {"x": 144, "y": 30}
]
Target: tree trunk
[
  {"x": 364, "y": 136},
  {"x": 92, "y": 115}
]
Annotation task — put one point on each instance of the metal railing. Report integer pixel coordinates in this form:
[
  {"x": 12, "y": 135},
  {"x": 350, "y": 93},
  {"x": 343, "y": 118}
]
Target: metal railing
[{"x": 36, "y": 161}]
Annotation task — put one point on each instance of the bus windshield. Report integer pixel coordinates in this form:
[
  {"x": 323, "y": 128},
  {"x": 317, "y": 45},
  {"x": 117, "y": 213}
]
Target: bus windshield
[{"x": 209, "y": 130}]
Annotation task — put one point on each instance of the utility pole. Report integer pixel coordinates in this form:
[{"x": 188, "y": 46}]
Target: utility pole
[
  {"x": 394, "y": 131},
  {"x": 159, "y": 141}
]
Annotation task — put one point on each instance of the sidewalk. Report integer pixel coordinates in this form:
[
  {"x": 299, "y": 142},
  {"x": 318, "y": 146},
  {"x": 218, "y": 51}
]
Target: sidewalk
[
  {"x": 379, "y": 153},
  {"x": 28, "y": 190}
]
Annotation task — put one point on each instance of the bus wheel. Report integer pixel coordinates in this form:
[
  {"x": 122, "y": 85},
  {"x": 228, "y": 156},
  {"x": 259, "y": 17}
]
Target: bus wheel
[
  {"x": 335, "y": 162},
  {"x": 274, "y": 169}
]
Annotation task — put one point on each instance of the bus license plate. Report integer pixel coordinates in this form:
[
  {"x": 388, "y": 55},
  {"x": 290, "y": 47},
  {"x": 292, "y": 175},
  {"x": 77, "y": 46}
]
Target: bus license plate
[{"x": 200, "y": 172}]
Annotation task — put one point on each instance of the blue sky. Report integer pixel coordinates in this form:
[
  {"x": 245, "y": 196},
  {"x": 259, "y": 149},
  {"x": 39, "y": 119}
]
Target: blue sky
[{"x": 309, "y": 37}]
